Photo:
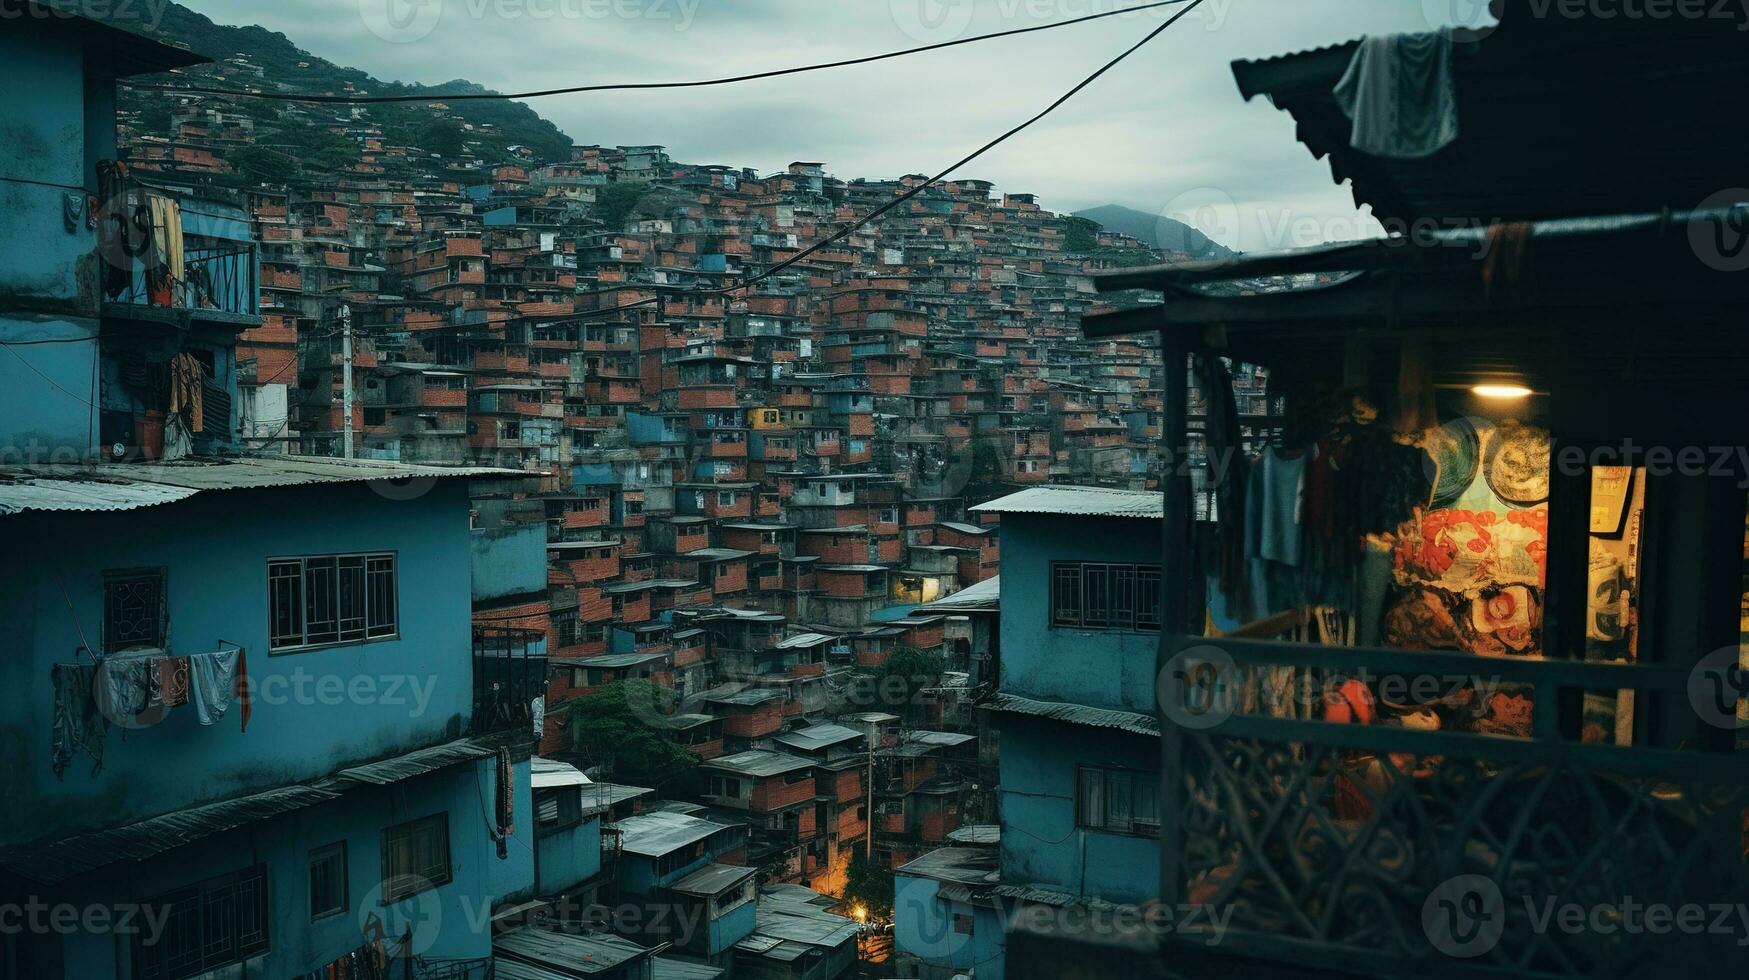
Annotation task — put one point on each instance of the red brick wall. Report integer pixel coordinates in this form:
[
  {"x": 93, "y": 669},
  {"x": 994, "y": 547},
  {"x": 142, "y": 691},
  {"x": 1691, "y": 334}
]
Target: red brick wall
[{"x": 772, "y": 793}]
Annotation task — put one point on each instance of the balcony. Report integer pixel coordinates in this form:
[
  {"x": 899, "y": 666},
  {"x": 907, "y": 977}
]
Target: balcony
[
  {"x": 1337, "y": 842},
  {"x": 203, "y": 267},
  {"x": 510, "y": 672}
]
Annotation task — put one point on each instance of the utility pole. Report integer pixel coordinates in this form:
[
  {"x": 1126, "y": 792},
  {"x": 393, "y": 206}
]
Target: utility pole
[
  {"x": 346, "y": 376},
  {"x": 869, "y": 824}
]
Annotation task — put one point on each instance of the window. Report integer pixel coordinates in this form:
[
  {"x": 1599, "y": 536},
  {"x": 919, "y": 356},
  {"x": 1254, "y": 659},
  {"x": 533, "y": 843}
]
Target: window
[
  {"x": 962, "y": 923},
  {"x": 415, "y": 857},
  {"x": 1122, "y": 801},
  {"x": 798, "y": 775},
  {"x": 133, "y": 610},
  {"x": 212, "y": 924},
  {"x": 328, "y": 881},
  {"x": 333, "y": 599},
  {"x": 725, "y": 498},
  {"x": 1088, "y": 595},
  {"x": 557, "y": 809}
]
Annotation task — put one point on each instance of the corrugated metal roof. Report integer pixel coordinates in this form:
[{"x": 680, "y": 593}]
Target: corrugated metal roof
[
  {"x": 759, "y": 762},
  {"x": 817, "y": 737},
  {"x": 58, "y": 861},
  {"x": 663, "y": 968},
  {"x": 567, "y": 952},
  {"x": 967, "y": 865},
  {"x": 1077, "y": 714},
  {"x": 418, "y": 763},
  {"x": 127, "y": 486},
  {"x": 793, "y": 914},
  {"x": 1078, "y": 502},
  {"x": 656, "y": 834},
  {"x": 712, "y": 879},
  {"x": 548, "y": 773},
  {"x": 980, "y": 834},
  {"x": 600, "y": 796},
  {"x": 979, "y": 595},
  {"x": 803, "y": 640}
]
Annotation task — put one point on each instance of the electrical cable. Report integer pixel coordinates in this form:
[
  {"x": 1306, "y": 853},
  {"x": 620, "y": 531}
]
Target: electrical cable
[{"x": 641, "y": 86}]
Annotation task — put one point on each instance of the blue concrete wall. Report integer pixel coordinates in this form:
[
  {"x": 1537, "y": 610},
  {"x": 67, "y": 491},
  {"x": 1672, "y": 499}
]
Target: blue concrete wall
[
  {"x": 570, "y": 857},
  {"x": 923, "y": 927},
  {"x": 307, "y": 722},
  {"x": 43, "y": 140},
  {"x": 1040, "y": 842},
  {"x": 730, "y": 929},
  {"x": 48, "y": 274},
  {"x": 511, "y": 877},
  {"x": 451, "y": 920},
  {"x": 1102, "y": 668},
  {"x": 509, "y": 561}
]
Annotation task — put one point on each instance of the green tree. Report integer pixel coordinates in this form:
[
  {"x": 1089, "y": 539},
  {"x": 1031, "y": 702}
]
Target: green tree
[
  {"x": 615, "y": 202},
  {"x": 441, "y": 136},
  {"x": 906, "y": 672},
  {"x": 613, "y": 727},
  {"x": 870, "y": 885},
  {"x": 260, "y": 165}
]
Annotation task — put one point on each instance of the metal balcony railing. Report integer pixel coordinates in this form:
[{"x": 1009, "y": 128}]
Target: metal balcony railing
[
  {"x": 510, "y": 672},
  {"x": 1354, "y": 843},
  {"x": 216, "y": 275}
]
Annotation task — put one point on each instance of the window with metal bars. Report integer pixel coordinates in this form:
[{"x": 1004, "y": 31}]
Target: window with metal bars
[
  {"x": 415, "y": 857},
  {"x": 134, "y": 614},
  {"x": 214, "y": 923},
  {"x": 1105, "y": 596},
  {"x": 331, "y": 599}
]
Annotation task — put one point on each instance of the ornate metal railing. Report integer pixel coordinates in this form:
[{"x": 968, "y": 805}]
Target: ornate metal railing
[
  {"x": 1386, "y": 849},
  {"x": 510, "y": 672}
]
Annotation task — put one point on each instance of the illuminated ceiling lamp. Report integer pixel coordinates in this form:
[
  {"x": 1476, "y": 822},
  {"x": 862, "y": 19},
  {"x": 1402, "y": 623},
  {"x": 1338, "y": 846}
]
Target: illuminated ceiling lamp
[{"x": 1501, "y": 391}]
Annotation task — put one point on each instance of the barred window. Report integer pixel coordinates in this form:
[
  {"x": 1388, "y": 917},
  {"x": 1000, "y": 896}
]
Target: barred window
[
  {"x": 415, "y": 857},
  {"x": 1102, "y": 596},
  {"x": 331, "y": 599},
  {"x": 1123, "y": 801},
  {"x": 214, "y": 923},
  {"x": 133, "y": 610}
]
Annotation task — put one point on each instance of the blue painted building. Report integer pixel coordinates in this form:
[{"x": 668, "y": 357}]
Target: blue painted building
[
  {"x": 1074, "y": 711},
  {"x": 685, "y": 874},
  {"x": 247, "y": 726},
  {"x": 947, "y": 918},
  {"x": 1075, "y": 706}
]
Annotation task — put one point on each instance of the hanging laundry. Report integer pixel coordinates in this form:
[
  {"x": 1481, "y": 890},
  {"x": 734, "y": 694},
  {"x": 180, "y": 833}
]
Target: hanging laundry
[
  {"x": 212, "y": 684},
  {"x": 1399, "y": 94},
  {"x": 124, "y": 686},
  {"x": 167, "y": 236},
  {"x": 78, "y": 725},
  {"x": 188, "y": 390},
  {"x": 169, "y": 682},
  {"x": 506, "y": 795},
  {"x": 245, "y": 693}
]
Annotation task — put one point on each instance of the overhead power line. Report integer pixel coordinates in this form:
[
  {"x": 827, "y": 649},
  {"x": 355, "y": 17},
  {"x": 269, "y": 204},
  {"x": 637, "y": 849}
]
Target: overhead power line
[
  {"x": 640, "y": 86},
  {"x": 851, "y": 228},
  {"x": 847, "y": 230}
]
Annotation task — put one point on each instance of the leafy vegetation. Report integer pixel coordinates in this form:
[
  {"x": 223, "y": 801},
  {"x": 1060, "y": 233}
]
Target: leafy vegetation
[
  {"x": 610, "y": 728},
  {"x": 870, "y": 885}
]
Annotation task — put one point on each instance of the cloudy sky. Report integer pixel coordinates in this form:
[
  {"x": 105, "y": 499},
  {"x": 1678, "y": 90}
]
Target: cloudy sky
[{"x": 1165, "y": 132}]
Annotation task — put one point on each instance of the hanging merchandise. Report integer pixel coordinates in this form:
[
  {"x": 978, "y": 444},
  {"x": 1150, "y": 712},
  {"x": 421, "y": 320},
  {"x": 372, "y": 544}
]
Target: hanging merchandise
[{"x": 1517, "y": 464}]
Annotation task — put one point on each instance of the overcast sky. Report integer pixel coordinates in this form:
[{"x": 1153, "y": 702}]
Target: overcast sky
[{"x": 1165, "y": 132}]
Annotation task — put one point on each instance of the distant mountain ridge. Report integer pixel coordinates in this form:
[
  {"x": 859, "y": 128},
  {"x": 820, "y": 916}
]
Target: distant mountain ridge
[
  {"x": 289, "y": 68},
  {"x": 1156, "y": 231}
]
